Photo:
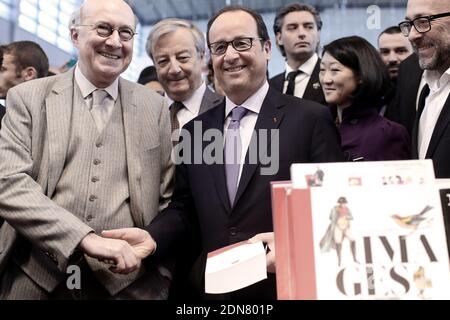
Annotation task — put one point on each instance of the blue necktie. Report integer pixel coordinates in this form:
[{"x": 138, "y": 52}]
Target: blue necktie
[{"x": 233, "y": 149}]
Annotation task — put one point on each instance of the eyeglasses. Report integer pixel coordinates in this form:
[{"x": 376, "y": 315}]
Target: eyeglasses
[
  {"x": 105, "y": 30},
  {"x": 421, "y": 24},
  {"x": 239, "y": 44}
]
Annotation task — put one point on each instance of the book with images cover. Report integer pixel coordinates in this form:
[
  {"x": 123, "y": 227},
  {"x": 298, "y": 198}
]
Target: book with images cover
[{"x": 361, "y": 240}]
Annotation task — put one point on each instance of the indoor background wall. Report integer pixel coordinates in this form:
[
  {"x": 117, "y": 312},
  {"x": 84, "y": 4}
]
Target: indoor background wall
[{"x": 338, "y": 21}]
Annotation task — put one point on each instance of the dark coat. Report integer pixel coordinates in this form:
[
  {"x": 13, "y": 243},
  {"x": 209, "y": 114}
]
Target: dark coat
[
  {"x": 402, "y": 109},
  {"x": 439, "y": 147},
  {"x": 200, "y": 204},
  {"x": 2, "y": 113},
  {"x": 364, "y": 133}
]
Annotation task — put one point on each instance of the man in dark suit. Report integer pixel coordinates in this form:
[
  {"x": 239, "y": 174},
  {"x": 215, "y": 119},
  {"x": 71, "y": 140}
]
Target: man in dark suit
[
  {"x": 223, "y": 199},
  {"x": 297, "y": 30},
  {"x": 177, "y": 48},
  {"x": 409, "y": 84},
  {"x": 20, "y": 61},
  {"x": 427, "y": 26},
  {"x": 394, "y": 47}
]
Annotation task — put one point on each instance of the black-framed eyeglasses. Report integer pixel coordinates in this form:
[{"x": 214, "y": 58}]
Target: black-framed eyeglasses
[
  {"x": 421, "y": 24},
  {"x": 105, "y": 30},
  {"x": 239, "y": 44}
]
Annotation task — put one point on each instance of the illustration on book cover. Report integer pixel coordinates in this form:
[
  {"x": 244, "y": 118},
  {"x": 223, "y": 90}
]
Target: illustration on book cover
[{"x": 379, "y": 243}]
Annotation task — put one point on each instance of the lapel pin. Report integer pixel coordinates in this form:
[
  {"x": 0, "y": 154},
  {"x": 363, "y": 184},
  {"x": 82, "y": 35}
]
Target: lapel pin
[
  {"x": 275, "y": 119},
  {"x": 316, "y": 85}
]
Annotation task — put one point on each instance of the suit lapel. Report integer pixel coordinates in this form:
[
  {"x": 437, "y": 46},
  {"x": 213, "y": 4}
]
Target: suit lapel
[
  {"x": 414, "y": 136},
  {"x": 441, "y": 125},
  {"x": 216, "y": 120},
  {"x": 422, "y": 97},
  {"x": 313, "y": 89},
  {"x": 210, "y": 99},
  {"x": 270, "y": 117},
  {"x": 132, "y": 129},
  {"x": 277, "y": 82},
  {"x": 59, "y": 106}
]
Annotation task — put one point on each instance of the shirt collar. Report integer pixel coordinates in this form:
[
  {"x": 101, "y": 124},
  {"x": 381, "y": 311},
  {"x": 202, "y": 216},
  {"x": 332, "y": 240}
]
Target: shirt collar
[
  {"x": 307, "y": 67},
  {"x": 86, "y": 87},
  {"x": 435, "y": 81},
  {"x": 194, "y": 101},
  {"x": 253, "y": 103}
]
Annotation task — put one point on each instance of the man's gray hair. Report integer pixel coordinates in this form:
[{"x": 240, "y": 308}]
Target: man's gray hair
[{"x": 171, "y": 25}]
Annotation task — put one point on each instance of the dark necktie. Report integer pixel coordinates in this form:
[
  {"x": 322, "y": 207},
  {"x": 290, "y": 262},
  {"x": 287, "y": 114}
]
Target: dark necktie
[
  {"x": 175, "y": 107},
  {"x": 233, "y": 149},
  {"x": 423, "y": 96},
  {"x": 291, "y": 81},
  {"x": 415, "y": 131}
]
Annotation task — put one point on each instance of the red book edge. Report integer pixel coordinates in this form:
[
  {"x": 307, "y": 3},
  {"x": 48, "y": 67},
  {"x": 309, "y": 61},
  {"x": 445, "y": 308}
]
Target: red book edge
[
  {"x": 280, "y": 216},
  {"x": 303, "y": 244}
]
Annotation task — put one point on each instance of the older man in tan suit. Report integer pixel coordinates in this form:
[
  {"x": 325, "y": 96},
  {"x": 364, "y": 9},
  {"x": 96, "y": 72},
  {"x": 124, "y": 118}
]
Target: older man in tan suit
[{"x": 83, "y": 152}]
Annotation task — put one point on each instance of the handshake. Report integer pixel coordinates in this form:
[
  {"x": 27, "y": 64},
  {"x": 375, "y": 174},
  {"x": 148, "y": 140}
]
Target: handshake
[{"x": 124, "y": 249}]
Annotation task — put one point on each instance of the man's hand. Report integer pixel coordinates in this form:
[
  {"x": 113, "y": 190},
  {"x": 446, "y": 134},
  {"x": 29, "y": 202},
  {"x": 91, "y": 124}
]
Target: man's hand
[
  {"x": 113, "y": 251},
  {"x": 268, "y": 239},
  {"x": 140, "y": 240}
]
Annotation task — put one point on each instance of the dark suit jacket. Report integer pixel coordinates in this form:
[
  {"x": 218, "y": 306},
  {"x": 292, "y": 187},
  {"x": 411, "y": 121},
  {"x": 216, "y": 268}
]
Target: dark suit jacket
[
  {"x": 182, "y": 287},
  {"x": 312, "y": 91},
  {"x": 439, "y": 147},
  {"x": 403, "y": 108},
  {"x": 2, "y": 113},
  {"x": 200, "y": 204},
  {"x": 210, "y": 99}
]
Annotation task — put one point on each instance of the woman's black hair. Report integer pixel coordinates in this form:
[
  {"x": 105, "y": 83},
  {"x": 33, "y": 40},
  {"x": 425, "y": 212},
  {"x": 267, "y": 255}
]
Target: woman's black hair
[{"x": 364, "y": 60}]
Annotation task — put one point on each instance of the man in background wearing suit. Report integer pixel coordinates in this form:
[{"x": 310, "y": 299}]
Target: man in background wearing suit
[
  {"x": 177, "y": 48},
  {"x": 228, "y": 200},
  {"x": 297, "y": 31},
  {"x": 82, "y": 152},
  {"x": 2, "y": 107},
  {"x": 22, "y": 61},
  {"x": 393, "y": 48},
  {"x": 409, "y": 84},
  {"x": 427, "y": 26}
]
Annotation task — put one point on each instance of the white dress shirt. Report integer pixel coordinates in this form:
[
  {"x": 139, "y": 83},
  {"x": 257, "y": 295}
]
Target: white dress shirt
[
  {"x": 247, "y": 124},
  {"x": 301, "y": 81},
  {"x": 439, "y": 92},
  {"x": 192, "y": 105},
  {"x": 86, "y": 88}
]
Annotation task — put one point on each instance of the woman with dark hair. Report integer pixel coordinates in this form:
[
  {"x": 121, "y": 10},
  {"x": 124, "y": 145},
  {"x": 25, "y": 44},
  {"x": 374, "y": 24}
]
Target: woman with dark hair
[{"x": 354, "y": 80}]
